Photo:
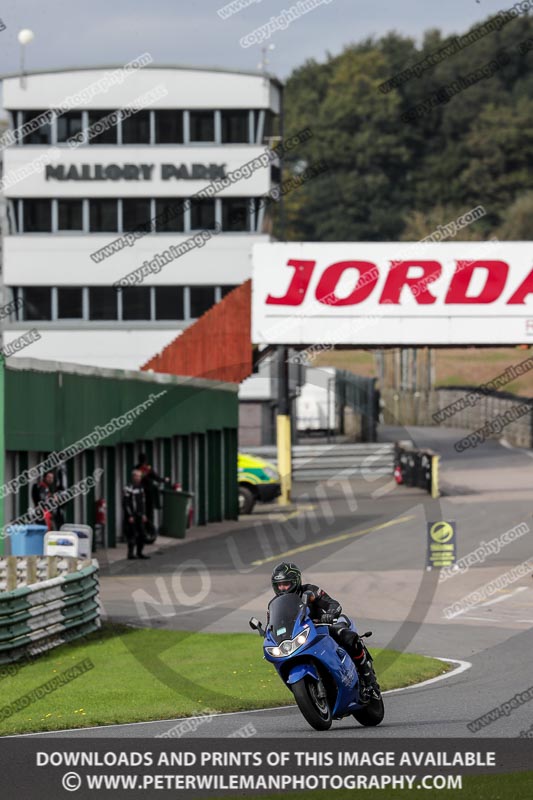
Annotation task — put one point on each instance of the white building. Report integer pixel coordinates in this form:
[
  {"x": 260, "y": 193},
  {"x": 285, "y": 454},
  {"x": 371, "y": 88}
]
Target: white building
[{"x": 196, "y": 126}]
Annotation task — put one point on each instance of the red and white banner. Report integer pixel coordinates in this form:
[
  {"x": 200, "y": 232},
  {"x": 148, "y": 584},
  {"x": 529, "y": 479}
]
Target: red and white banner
[{"x": 397, "y": 293}]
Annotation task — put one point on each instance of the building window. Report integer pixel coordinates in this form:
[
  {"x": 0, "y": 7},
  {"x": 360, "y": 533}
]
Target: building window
[
  {"x": 136, "y": 128},
  {"x": 169, "y": 302},
  {"x": 37, "y": 303},
  {"x": 37, "y": 216},
  {"x": 41, "y": 135},
  {"x": 202, "y": 298},
  {"x": 70, "y": 215},
  {"x": 68, "y": 125},
  {"x": 235, "y": 128},
  {"x": 202, "y": 126},
  {"x": 103, "y": 216},
  {"x": 169, "y": 215},
  {"x": 168, "y": 127},
  {"x": 136, "y": 213},
  {"x": 17, "y": 315},
  {"x": 13, "y": 216},
  {"x": 271, "y": 125},
  {"x": 202, "y": 214},
  {"x": 70, "y": 302},
  {"x": 224, "y": 290},
  {"x": 136, "y": 302},
  {"x": 102, "y": 303},
  {"x": 236, "y": 214},
  {"x": 106, "y": 134}
]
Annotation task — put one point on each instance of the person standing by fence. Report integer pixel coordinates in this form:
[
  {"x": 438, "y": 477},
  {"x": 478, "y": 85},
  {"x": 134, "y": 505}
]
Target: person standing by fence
[
  {"x": 150, "y": 481},
  {"x": 135, "y": 519},
  {"x": 41, "y": 493}
]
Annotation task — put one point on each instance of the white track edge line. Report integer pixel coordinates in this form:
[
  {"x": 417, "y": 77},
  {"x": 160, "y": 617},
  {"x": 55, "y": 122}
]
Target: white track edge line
[{"x": 463, "y": 666}]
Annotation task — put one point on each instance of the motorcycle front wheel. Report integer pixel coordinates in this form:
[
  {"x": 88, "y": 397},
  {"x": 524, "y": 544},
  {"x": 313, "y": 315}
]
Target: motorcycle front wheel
[{"x": 314, "y": 708}]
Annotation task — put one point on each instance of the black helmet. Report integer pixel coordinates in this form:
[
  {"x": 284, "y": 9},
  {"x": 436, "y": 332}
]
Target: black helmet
[{"x": 286, "y": 572}]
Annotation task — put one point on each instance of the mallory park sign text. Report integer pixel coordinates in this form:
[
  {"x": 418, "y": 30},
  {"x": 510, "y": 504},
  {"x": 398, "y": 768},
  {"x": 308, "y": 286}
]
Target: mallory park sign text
[{"x": 134, "y": 172}]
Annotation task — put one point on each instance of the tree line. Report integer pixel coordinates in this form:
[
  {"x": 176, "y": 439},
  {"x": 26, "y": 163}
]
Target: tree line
[{"x": 415, "y": 136}]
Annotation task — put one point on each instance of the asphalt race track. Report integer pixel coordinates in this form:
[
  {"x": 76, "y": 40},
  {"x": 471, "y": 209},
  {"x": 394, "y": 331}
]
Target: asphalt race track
[{"x": 364, "y": 541}]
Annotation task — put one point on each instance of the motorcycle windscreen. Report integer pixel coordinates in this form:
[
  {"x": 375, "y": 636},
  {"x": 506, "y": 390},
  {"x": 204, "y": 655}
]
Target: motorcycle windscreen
[{"x": 284, "y": 611}]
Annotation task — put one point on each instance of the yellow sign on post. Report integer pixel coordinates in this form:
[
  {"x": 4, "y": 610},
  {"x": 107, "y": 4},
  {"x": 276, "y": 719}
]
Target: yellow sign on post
[{"x": 442, "y": 544}]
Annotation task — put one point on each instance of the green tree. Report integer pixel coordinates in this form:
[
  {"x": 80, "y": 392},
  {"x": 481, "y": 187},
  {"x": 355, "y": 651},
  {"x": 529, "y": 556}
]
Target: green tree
[
  {"x": 391, "y": 179},
  {"x": 355, "y": 130},
  {"x": 517, "y": 223},
  {"x": 419, "y": 224}
]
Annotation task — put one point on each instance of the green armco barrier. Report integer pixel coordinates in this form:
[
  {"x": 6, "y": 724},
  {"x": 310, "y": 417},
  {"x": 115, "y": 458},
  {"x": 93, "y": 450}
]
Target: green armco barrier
[
  {"x": 45, "y": 591},
  {"x": 29, "y": 652},
  {"x": 46, "y": 614},
  {"x": 35, "y": 636},
  {"x": 24, "y": 602},
  {"x": 33, "y": 611},
  {"x": 47, "y": 618}
]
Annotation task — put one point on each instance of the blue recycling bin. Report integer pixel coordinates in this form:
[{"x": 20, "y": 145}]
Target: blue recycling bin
[{"x": 27, "y": 540}]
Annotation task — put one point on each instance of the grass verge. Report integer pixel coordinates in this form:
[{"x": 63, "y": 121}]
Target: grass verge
[
  {"x": 143, "y": 674},
  {"x": 513, "y": 786}
]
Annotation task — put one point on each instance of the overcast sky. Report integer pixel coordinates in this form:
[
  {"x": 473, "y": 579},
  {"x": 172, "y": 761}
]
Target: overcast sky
[{"x": 190, "y": 32}]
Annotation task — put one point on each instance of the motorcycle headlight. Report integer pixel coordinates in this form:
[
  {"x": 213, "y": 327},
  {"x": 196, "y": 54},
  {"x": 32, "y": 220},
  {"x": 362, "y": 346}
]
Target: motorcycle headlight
[{"x": 289, "y": 646}]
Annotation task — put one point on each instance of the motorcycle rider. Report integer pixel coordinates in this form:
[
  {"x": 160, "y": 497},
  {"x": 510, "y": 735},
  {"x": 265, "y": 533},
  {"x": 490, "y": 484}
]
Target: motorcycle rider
[{"x": 287, "y": 578}]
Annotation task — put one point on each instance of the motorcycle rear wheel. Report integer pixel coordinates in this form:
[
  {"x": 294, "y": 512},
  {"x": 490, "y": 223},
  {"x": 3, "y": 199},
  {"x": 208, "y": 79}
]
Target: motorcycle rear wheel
[
  {"x": 315, "y": 710},
  {"x": 372, "y": 714}
]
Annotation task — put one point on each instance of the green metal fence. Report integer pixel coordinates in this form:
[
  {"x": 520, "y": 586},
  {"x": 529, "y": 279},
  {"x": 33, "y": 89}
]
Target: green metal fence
[
  {"x": 48, "y": 613},
  {"x": 360, "y": 395}
]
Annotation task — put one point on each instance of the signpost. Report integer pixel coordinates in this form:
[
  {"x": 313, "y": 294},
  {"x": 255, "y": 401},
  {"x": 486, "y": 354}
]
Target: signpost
[{"x": 442, "y": 544}]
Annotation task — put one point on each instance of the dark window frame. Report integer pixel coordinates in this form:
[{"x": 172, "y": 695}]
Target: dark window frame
[
  {"x": 25, "y": 307},
  {"x": 130, "y": 120},
  {"x": 176, "y": 217},
  {"x": 224, "y": 114},
  {"x": 47, "y": 127},
  {"x": 111, "y": 132},
  {"x": 112, "y": 293},
  {"x": 69, "y": 201},
  {"x": 204, "y": 202},
  {"x": 69, "y": 117},
  {"x": 142, "y": 224},
  {"x": 244, "y": 201},
  {"x": 93, "y": 207},
  {"x": 205, "y": 113},
  {"x": 25, "y": 209},
  {"x": 180, "y": 305},
  {"x": 64, "y": 317},
  {"x": 140, "y": 291},
  {"x": 205, "y": 288},
  {"x": 157, "y": 121}
]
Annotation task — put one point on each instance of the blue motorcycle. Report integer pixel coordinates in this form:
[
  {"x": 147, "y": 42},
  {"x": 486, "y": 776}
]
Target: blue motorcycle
[{"x": 318, "y": 671}]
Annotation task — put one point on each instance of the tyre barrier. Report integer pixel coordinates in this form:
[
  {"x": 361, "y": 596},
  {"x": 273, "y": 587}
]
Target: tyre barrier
[
  {"x": 35, "y": 618},
  {"x": 414, "y": 467}
]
